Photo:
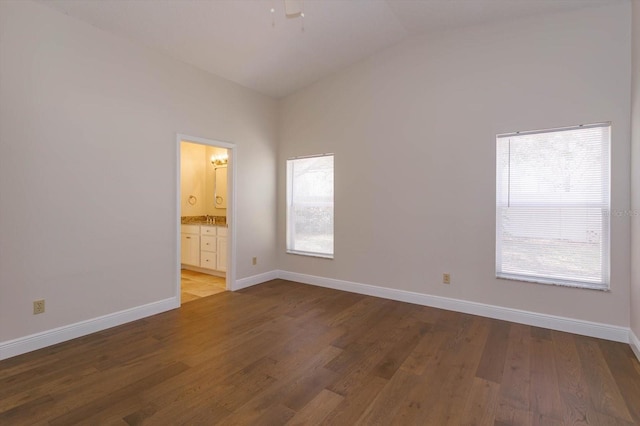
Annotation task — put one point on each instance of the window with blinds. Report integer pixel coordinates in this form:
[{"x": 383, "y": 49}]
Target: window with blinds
[
  {"x": 553, "y": 206},
  {"x": 310, "y": 206}
]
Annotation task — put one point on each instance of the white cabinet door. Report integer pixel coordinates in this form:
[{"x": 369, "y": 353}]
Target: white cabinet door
[
  {"x": 190, "y": 249},
  {"x": 222, "y": 254}
]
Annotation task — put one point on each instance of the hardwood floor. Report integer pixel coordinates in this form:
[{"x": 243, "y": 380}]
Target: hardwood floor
[
  {"x": 288, "y": 353},
  {"x": 194, "y": 285}
]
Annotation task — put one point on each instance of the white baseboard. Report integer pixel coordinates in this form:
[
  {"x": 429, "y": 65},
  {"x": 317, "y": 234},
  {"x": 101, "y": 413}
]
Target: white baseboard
[
  {"x": 585, "y": 328},
  {"x": 604, "y": 331},
  {"x": 215, "y": 273},
  {"x": 21, "y": 345},
  {"x": 635, "y": 344},
  {"x": 32, "y": 342},
  {"x": 254, "y": 279}
]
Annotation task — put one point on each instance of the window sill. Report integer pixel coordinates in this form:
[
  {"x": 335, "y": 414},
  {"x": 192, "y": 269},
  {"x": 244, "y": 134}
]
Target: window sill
[
  {"x": 557, "y": 283},
  {"x": 309, "y": 254}
]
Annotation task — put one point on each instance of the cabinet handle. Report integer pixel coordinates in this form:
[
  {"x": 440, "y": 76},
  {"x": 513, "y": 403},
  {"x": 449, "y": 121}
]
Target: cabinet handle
[{"x": 188, "y": 238}]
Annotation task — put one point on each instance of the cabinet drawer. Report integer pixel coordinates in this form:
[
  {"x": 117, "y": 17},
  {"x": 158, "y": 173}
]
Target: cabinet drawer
[
  {"x": 207, "y": 260},
  {"x": 208, "y": 243},
  {"x": 208, "y": 230},
  {"x": 190, "y": 229},
  {"x": 222, "y": 231}
]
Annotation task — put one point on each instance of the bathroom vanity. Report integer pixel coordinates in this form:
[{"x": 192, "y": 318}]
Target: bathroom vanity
[{"x": 204, "y": 246}]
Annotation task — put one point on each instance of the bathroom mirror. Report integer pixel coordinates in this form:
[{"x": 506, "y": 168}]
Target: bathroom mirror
[{"x": 220, "y": 188}]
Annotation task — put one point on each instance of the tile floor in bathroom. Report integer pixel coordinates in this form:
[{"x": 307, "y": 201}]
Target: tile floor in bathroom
[{"x": 195, "y": 285}]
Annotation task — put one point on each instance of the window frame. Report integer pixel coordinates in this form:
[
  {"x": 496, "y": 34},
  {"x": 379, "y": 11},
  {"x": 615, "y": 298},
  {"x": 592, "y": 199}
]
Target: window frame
[
  {"x": 289, "y": 211},
  {"x": 605, "y": 266}
]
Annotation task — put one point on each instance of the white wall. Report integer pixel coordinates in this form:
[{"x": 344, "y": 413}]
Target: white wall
[
  {"x": 413, "y": 130},
  {"x": 635, "y": 180},
  {"x": 88, "y": 168},
  {"x": 88, "y": 161}
]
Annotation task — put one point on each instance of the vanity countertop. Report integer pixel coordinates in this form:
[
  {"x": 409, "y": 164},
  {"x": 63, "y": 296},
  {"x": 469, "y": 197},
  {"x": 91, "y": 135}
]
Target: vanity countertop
[
  {"x": 201, "y": 220},
  {"x": 224, "y": 225}
]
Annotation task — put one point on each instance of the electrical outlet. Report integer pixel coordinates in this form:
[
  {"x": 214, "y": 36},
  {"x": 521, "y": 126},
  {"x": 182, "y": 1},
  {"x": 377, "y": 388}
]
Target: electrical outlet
[
  {"x": 446, "y": 279},
  {"x": 254, "y": 261},
  {"x": 38, "y": 307}
]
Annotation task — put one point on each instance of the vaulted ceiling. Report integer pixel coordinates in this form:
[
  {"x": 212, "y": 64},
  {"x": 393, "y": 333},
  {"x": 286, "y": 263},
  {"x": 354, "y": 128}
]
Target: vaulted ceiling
[{"x": 241, "y": 40}]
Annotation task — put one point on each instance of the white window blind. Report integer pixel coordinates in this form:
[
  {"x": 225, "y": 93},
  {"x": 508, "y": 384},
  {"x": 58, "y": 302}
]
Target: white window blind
[
  {"x": 310, "y": 206},
  {"x": 552, "y": 206}
]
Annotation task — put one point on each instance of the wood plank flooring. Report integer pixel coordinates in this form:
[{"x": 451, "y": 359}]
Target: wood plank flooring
[{"x": 287, "y": 353}]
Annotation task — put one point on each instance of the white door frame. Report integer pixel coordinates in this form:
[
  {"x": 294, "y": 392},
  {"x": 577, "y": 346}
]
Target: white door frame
[{"x": 231, "y": 206}]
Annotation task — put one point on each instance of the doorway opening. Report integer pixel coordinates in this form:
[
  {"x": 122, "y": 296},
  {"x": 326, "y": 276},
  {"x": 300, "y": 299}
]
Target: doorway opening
[{"x": 205, "y": 210}]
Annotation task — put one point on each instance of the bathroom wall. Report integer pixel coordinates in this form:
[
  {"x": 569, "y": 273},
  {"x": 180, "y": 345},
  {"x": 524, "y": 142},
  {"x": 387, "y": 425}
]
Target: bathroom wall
[
  {"x": 197, "y": 179},
  {"x": 210, "y": 205},
  {"x": 193, "y": 188}
]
